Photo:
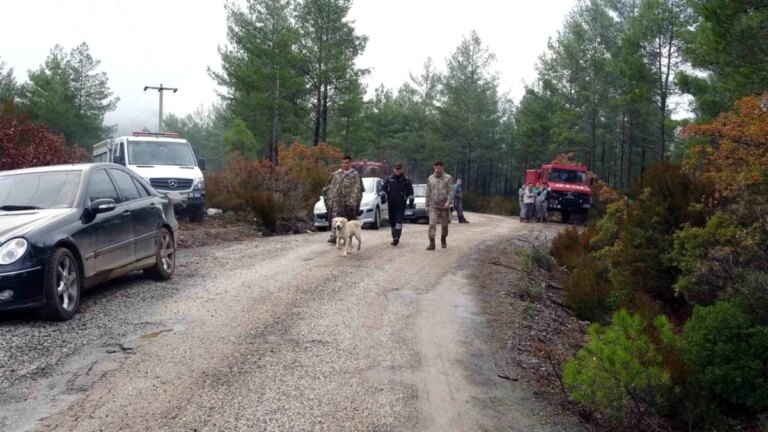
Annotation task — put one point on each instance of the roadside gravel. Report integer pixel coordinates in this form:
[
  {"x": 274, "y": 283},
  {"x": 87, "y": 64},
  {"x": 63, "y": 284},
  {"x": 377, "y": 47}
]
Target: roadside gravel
[{"x": 276, "y": 333}]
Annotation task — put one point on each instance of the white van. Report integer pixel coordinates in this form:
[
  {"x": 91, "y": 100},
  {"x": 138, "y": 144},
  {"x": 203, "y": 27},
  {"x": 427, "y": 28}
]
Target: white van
[{"x": 165, "y": 160}]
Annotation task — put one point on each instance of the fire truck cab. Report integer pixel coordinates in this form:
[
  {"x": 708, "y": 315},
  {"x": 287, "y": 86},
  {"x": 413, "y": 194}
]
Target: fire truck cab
[{"x": 569, "y": 188}]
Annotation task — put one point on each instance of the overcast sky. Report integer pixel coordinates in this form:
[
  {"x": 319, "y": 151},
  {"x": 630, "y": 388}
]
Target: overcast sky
[{"x": 142, "y": 42}]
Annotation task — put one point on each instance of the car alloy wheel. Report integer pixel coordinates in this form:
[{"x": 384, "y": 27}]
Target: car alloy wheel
[
  {"x": 67, "y": 284},
  {"x": 61, "y": 285},
  {"x": 167, "y": 252},
  {"x": 165, "y": 256}
]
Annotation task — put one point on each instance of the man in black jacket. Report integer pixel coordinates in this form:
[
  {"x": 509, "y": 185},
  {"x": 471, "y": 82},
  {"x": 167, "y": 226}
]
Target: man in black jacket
[{"x": 398, "y": 189}]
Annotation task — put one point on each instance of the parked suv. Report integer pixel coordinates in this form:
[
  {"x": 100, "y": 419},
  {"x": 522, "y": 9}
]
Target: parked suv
[
  {"x": 165, "y": 161},
  {"x": 373, "y": 207}
]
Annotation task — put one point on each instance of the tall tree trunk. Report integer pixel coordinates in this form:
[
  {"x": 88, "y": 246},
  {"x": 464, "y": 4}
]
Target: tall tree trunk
[
  {"x": 318, "y": 114},
  {"x": 467, "y": 165},
  {"x": 622, "y": 148},
  {"x": 630, "y": 150},
  {"x": 275, "y": 138},
  {"x": 324, "y": 132},
  {"x": 489, "y": 180},
  {"x": 667, "y": 74}
]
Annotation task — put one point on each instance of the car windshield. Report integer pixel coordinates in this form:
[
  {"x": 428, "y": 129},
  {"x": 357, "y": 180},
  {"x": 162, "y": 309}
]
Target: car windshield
[
  {"x": 160, "y": 153},
  {"x": 420, "y": 190},
  {"x": 369, "y": 184},
  {"x": 46, "y": 190},
  {"x": 568, "y": 176}
]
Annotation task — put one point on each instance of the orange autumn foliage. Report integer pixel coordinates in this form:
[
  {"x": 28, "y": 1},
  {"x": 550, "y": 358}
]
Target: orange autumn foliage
[{"x": 737, "y": 152}]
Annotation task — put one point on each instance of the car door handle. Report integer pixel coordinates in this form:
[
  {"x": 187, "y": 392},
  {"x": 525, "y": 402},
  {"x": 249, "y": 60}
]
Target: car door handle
[{"x": 126, "y": 213}]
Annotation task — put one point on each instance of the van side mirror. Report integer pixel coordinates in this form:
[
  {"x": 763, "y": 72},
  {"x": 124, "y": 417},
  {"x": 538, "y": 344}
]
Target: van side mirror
[
  {"x": 119, "y": 159},
  {"x": 201, "y": 164}
]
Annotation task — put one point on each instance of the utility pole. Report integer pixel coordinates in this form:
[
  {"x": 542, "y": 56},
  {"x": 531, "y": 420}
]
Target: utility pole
[{"x": 160, "y": 91}]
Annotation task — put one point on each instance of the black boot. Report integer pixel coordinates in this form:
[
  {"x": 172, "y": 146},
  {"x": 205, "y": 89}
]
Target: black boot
[
  {"x": 395, "y": 241},
  {"x": 431, "y": 244},
  {"x": 443, "y": 243},
  {"x": 332, "y": 240}
]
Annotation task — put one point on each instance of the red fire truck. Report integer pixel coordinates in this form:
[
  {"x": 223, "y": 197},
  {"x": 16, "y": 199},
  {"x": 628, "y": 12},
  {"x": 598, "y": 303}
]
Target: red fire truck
[
  {"x": 372, "y": 169},
  {"x": 569, "y": 188}
]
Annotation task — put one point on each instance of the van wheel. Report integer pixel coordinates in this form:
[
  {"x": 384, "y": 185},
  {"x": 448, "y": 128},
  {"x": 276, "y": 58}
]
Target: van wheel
[
  {"x": 62, "y": 285},
  {"x": 165, "y": 256},
  {"x": 197, "y": 214}
]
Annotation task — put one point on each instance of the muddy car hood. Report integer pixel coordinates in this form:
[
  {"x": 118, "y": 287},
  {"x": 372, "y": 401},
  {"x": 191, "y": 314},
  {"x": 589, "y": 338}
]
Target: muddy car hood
[{"x": 19, "y": 223}]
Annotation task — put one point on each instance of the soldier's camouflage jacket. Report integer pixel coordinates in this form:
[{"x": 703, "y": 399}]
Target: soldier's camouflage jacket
[
  {"x": 342, "y": 194},
  {"x": 439, "y": 190}
]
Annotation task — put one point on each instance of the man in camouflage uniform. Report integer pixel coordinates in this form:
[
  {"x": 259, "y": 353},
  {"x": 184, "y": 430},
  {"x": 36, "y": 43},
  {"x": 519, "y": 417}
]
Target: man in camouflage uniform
[
  {"x": 342, "y": 194},
  {"x": 439, "y": 198}
]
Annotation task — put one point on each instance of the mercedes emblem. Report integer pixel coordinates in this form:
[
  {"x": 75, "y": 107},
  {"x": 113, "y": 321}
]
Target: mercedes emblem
[{"x": 172, "y": 183}]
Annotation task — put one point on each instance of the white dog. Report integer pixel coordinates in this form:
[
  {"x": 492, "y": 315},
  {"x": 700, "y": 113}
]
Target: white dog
[{"x": 345, "y": 230}]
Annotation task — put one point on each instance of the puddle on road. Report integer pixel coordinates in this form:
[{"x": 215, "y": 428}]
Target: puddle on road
[{"x": 155, "y": 334}]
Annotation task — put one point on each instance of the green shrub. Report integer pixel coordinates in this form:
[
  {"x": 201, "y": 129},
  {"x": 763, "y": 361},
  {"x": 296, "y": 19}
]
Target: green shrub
[
  {"x": 621, "y": 370},
  {"x": 525, "y": 259},
  {"x": 728, "y": 354},
  {"x": 533, "y": 290},
  {"x": 704, "y": 256},
  {"x": 493, "y": 204},
  {"x": 608, "y": 228},
  {"x": 588, "y": 292},
  {"x": 571, "y": 246},
  {"x": 543, "y": 259}
]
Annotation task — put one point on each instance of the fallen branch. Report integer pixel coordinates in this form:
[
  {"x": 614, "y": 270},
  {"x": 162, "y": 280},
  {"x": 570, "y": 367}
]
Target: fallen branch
[
  {"x": 561, "y": 305},
  {"x": 547, "y": 283},
  {"x": 506, "y": 377}
]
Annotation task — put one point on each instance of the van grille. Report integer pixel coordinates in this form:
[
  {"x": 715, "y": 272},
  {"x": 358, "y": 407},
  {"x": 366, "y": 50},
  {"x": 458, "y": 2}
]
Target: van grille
[{"x": 169, "y": 183}]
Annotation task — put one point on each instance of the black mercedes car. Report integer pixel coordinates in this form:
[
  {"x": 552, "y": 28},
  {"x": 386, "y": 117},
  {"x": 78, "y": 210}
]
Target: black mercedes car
[{"x": 70, "y": 227}]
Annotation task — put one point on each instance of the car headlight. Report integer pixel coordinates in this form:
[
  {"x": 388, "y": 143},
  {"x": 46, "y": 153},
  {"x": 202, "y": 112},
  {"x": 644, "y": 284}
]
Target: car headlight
[
  {"x": 12, "y": 250},
  {"x": 200, "y": 184}
]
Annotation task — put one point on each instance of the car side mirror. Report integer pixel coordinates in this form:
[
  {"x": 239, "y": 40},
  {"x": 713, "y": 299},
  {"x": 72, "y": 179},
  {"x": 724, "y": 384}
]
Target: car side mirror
[
  {"x": 201, "y": 164},
  {"x": 103, "y": 205},
  {"x": 383, "y": 196}
]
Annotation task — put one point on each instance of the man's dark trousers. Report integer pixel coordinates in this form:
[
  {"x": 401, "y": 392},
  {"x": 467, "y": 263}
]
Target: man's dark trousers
[{"x": 396, "y": 220}]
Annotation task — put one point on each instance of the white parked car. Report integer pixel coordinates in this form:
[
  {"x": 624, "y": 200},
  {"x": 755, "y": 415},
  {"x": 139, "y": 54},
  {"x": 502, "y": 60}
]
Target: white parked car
[{"x": 373, "y": 207}]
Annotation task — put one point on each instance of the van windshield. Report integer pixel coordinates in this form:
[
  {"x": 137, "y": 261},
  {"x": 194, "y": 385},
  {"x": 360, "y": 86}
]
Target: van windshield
[
  {"x": 160, "y": 153},
  {"x": 568, "y": 176}
]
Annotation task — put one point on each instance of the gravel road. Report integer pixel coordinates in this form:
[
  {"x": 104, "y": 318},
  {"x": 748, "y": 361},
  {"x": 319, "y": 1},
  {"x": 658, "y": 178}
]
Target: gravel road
[{"x": 277, "y": 333}]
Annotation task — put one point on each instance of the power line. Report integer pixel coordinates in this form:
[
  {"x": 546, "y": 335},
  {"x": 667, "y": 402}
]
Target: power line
[
  {"x": 138, "y": 41},
  {"x": 106, "y": 30},
  {"x": 118, "y": 68}
]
